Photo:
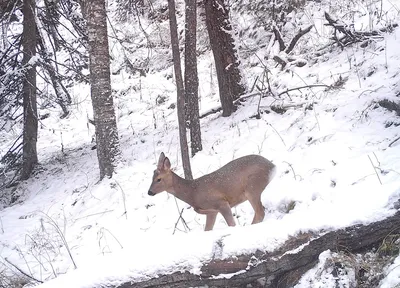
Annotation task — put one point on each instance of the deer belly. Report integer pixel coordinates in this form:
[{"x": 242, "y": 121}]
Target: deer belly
[
  {"x": 204, "y": 211},
  {"x": 236, "y": 199}
]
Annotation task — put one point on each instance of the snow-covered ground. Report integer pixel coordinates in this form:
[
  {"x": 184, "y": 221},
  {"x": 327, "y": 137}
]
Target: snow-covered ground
[{"x": 333, "y": 158}]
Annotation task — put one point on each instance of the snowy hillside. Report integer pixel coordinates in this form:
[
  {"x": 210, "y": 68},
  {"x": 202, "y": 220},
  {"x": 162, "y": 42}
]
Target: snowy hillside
[{"x": 333, "y": 145}]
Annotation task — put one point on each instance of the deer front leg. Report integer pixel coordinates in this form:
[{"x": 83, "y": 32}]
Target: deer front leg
[
  {"x": 226, "y": 211},
  {"x": 210, "y": 221}
]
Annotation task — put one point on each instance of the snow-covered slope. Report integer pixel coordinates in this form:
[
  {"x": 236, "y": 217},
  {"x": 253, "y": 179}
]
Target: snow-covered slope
[{"x": 332, "y": 149}]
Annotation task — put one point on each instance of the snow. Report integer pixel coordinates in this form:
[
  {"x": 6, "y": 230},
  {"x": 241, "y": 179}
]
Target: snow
[
  {"x": 393, "y": 275},
  {"x": 325, "y": 161},
  {"x": 321, "y": 277}
]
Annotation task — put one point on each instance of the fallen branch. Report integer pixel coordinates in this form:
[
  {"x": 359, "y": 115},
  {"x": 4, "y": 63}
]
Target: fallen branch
[
  {"x": 211, "y": 111},
  {"x": 282, "y": 59},
  {"x": 297, "y": 37},
  {"x": 241, "y": 98},
  {"x": 279, "y": 38},
  {"x": 303, "y": 87},
  {"x": 265, "y": 92},
  {"x": 293, "y": 258},
  {"x": 394, "y": 141},
  {"x": 22, "y": 271},
  {"x": 350, "y": 35}
]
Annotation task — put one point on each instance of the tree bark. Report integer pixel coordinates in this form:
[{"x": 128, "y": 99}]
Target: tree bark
[
  {"x": 284, "y": 266},
  {"x": 223, "y": 47},
  {"x": 30, "y": 132},
  {"x": 103, "y": 105},
  {"x": 180, "y": 90},
  {"x": 191, "y": 76}
]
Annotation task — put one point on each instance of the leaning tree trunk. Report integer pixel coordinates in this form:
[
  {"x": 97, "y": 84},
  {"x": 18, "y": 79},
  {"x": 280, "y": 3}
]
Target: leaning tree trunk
[
  {"x": 191, "y": 77},
  {"x": 30, "y": 132},
  {"x": 180, "y": 91},
  {"x": 226, "y": 62},
  {"x": 102, "y": 100}
]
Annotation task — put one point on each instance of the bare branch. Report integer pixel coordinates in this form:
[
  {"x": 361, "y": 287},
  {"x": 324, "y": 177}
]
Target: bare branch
[
  {"x": 297, "y": 38},
  {"x": 22, "y": 271},
  {"x": 278, "y": 36},
  {"x": 303, "y": 87}
]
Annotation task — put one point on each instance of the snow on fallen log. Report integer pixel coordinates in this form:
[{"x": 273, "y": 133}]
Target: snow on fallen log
[{"x": 282, "y": 267}]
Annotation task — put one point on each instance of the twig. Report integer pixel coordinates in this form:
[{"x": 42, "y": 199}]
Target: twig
[
  {"x": 277, "y": 133},
  {"x": 303, "y": 87},
  {"x": 180, "y": 218},
  {"x": 290, "y": 105},
  {"x": 141, "y": 71},
  {"x": 177, "y": 221},
  {"x": 23, "y": 257},
  {"x": 376, "y": 158},
  {"x": 375, "y": 170},
  {"x": 254, "y": 84},
  {"x": 36, "y": 244},
  {"x": 291, "y": 167},
  {"x": 60, "y": 233},
  {"x": 102, "y": 228},
  {"x": 258, "y": 107},
  {"x": 11, "y": 182},
  {"x": 22, "y": 271},
  {"x": 123, "y": 199},
  {"x": 94, "y": 214},
  {"x": 394, "y": 141}
]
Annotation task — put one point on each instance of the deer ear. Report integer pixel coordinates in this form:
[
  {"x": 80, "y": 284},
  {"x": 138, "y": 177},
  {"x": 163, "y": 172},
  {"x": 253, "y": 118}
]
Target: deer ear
[
  {"x": 167, "y": 164},
  {"x": 161, "y": 161}
]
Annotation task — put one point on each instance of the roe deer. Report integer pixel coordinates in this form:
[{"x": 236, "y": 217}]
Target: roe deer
[{"x": 242, "y": 179}]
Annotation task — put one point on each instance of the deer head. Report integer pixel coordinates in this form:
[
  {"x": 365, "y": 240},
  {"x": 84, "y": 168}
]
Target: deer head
[{"x": 162, "y": 177}]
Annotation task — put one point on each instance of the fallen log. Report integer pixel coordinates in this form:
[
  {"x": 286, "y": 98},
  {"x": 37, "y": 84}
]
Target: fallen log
[
  {"x": 350, "y": 36},
  {"x": 282, "y": 267}
]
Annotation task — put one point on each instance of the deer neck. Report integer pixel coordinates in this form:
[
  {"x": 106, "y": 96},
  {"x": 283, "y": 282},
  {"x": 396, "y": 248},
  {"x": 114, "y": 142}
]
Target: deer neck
[{"x": 183, "y": 189}]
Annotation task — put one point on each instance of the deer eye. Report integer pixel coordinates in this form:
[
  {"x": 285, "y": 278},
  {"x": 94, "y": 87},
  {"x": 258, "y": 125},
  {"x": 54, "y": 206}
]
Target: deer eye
[{"x": 159, "y": 179}]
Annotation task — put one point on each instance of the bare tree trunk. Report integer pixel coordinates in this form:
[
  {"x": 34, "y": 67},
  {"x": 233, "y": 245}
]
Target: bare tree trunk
[
  {"x": 3, "y": 42},
  {"x": 102, "y": 100},
  {"x": 180, "y": 91},
  {"x": 191, "y": 77},
  {"x": 30, "y": 158},
  {"x": 226, "y": 63}
]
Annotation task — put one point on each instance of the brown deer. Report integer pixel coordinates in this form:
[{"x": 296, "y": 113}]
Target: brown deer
[{"x": 242, "y": 179}]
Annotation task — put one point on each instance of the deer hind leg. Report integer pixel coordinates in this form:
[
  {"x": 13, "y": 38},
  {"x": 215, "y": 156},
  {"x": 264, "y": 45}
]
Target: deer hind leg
[
  {"x": 226, "y": 211},
  {"x": 259, "y": 213},
  {"x": 253, "y": 194},
  {"x": 210, "y": 221},
  {"x": 254, "y": 197}
]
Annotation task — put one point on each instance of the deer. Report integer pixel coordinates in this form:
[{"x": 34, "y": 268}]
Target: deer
[{"x": 242, "y": 179}]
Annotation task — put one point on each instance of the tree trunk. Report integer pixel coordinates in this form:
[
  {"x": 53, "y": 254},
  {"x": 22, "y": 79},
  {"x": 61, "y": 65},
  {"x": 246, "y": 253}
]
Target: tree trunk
[
  {"x": 284, "y": 266},
  {"x": 30, "y": 132},
  {"x": 223, "y": 47},
  {"x": 191, "y": 77},
  {"x": 180, "y": 91},
  {"x": 102, "y": 100}
]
